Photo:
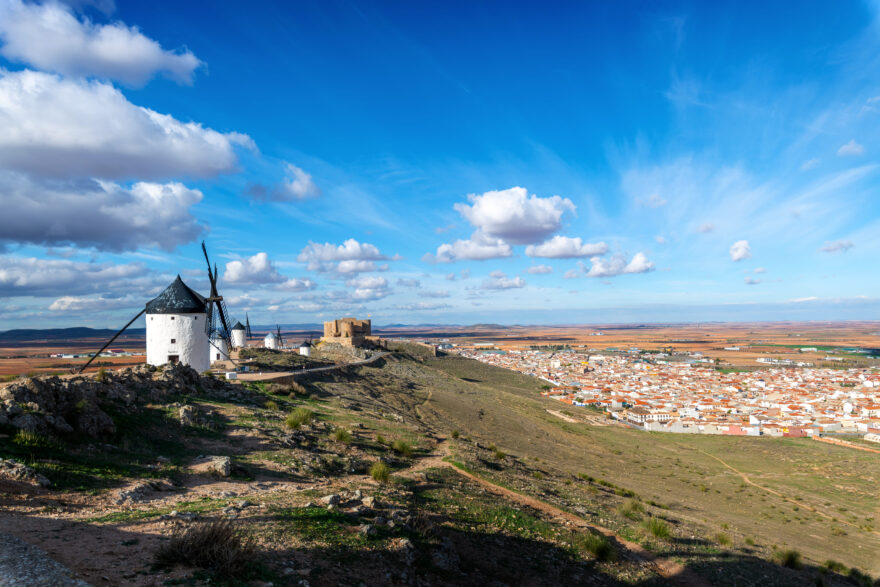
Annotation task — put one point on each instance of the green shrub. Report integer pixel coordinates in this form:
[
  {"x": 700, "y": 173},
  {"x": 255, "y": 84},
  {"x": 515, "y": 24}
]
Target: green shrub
[
  {"x": 538, "y": 475},
  {"x": 859, "y": 578},
  {"x": 657, "y": 527},
  {"x": 342, "y": 435},
  {"x": 632, "y": 509},
  {"x": 272, "y": 405},
  {"x": 499, "y": 454},
  {"x": 788, "y": 558},
  {"x": 380, "y": 472},
  {"x": 298, "y": 417},
  {"x": 723, "y": 539},
  {"x": 380, "y": 439},
  {"x": 101, "y": 375},
  {"x": 33, "y": 440},
  {"x": 596, "y": 544},
  {"x": 750, "y": 541},
  {"x": 402, "y": 447},
  {"x": 455, "y": 434},
  {"x": 218, "y": 546},
  {"x": 834, "y": 566},
  {"x": 587, "y": 478}
]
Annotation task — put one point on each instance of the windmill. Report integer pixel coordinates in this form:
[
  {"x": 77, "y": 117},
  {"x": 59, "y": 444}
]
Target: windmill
[
  {"x": 278, "y": 335},
  {"x": 217, "y": 323},
  {"x": 247, "y": 326}
]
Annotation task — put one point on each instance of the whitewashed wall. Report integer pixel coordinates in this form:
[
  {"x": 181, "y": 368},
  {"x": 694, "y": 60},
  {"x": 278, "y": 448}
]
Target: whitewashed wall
[
  {"x": 238, "y": 339},
  {"x": 187, "y": 330}
]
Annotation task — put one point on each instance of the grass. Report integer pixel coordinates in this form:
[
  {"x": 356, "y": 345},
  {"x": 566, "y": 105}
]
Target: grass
[
  {"x": 298, "y": 417},
  {"x": 342, "y": 435},
  {"x": 632, "y": 509},
  {"x": 455, "y": 434},
  {"x": 272, "y": 405},
  {"x": 380, "y": 472},
  {"x": 788, "y": 558},
  {"x": 657, "y": 528},
  {"x": 596, "y": 544},
  {"x": 218, "y": 546},
  {"x": 723, "y": 539},
  {"x": 402, "y": 448}
]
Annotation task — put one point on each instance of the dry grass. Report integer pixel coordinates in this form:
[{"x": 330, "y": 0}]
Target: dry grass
[
  {"x": 218, "y": 546},
  {"x": 298, "y": 417}
]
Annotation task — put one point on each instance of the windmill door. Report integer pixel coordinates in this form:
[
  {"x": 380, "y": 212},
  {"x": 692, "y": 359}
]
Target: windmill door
[{"x": 173, "y": 359}]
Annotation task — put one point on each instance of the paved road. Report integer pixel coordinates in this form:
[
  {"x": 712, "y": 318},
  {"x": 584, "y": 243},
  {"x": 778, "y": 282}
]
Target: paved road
[{"x": 282, "y": 374}]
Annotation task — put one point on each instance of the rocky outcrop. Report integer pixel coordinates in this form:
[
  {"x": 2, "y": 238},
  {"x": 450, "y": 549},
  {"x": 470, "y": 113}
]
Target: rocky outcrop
[{"x": 14, "y": 471}]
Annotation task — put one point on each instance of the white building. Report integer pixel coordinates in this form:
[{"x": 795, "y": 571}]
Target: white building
[
  {"x": 238, "y": 335},
  {"x": 176, "y": 331},
  {"x": 271, "y": 341},
  {"x": 219, "y": 350},
  {"x": 305, "y": 348}
]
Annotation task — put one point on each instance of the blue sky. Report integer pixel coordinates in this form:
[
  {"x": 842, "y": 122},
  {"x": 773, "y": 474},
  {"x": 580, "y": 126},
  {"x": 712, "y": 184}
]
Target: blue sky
[{"x": 470, "y": 162}]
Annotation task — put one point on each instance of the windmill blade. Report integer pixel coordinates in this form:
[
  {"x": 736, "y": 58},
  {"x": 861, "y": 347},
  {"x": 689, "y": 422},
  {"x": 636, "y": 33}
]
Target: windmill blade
[
  {"x": 247, "y": 328},
  {"x": 109, "y": 342},
  {"x": 212, "y": 276},
  {"x": 209, "y": 320}
]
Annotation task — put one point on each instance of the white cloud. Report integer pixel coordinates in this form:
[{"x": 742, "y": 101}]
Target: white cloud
[
  {"x": 440, "y": 293},
  {"x": 97, "y": 214},
  {"x": 465, "y": 273},
  {"x": 55, "y": 127},
  {"x": 851, "y": 149},
  {"x": 296, "y": 284},
  {"x": 540, "y": 269},
  {"x": 513, "y": 216},
  {"x": 752, "y": 281},
  {"x": 654, "y": 201},
  {"x": 479, "y": 247},
  {"x": 98, "y": 304},
  {"x": 760, "y": 270},
  {"x": 706, "y": 227},
  {"x": 409, "y": 282},
  {"x": 450, "y": 277},
  {"x": 367, "y": 282},
  {"x": 297, "y": 186},
  {"x": 499, "y": 280},
  {"x": 423, "y": 306},
  {"x": 29, "y": 276},
  {"x": 349, "y": 257},
  {"x": 660, "y": 239},
  {"x": 840, "y": 246},
  {"x": 740, "y": 250},
  {"x": 50, "y": 37},
  {"x": 617, "y": 265},
  {"x": 809, "y": 164},
  {"x": 253, "y": 270},
  {"x": 571, "y": 274},
  {"x": 563, "y": 247},
  {"x": 802, "y": 300}
]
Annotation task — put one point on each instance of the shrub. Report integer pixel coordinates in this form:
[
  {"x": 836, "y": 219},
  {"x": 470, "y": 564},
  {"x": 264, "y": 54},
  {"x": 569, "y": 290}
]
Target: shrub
[
  {"x": 538, "y": 475},
  {"x": 455, "y": 434},
  {"x": 272, "y": 405},
  {"x": 218, "y": 546},
  {"x": 834, "y": 566},
  {"x": 380, "y": 439},
  {"x": 596, "y": 544},
  {"x": 298, "y": 389},
  {"x": 587, "y": 478},
  {"x": 380, "y": 472},
  {"x": 657, "y": 527},
  {"x": 750, "y": 541},
  {"x": 498, "y": 454},
  {"x": 632, "y": 509},
  {"x": 342, "y": 435},
  {"x": 788, "y": 558},
  {"x": 298, "y": 417},
  {"x": 101, "y": 376},
  {"x": 723, "y": 539},
  {"x": 859, "y": 578},
  {"x": 33, "y": 440},
  {"x": 402, "y": 447}
]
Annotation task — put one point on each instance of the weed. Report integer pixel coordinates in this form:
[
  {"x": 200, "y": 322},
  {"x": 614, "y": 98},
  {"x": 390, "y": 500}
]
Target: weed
[
  {"x": 538, "y": 475},
  {"x": 585, "y": 477},
  {"x": 380, "y": 472},
  {"x": 860, "y": 578},
  {"x": 834, "y": 566},
  {"x": 657, "y": 527},
  {"x": 788, "y": 558},
  {"x": 342, "y": 435},
  {"x": 750, "y": 541},
  {"x": 455, "y": 434},
  {"x": 498, "y": 454},
  {"x": 632, "y": 509},
  {"x": 596, "y": 544},
  {"x": 217, "y": 546},
  {"x": 402, "y": 447},
  {"x": 272, "y": 405},
  {"x": 298, "y": 417},
  {"x": 30, "y": 439},
  {"x": 723, "y": 539},
  {"x": 380, "y": 439}
]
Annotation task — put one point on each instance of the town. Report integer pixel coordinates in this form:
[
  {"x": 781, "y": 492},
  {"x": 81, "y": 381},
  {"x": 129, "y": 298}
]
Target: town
[{"x": 652, "y": 392}]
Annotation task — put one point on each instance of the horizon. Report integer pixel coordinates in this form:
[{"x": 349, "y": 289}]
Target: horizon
[{"x": 452, "y": 166}]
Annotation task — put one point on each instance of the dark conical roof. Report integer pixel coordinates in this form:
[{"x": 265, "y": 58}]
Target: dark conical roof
[
  {"x": 177, "y": 298},
  {"x": 238, "y": 326}
]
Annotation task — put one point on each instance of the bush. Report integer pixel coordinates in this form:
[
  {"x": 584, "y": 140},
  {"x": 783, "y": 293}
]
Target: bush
[
  {"x": 218, "y": 546},
  {"x": 298, "y": 417},
  {"x": 657, "y": 527},
  {"x": 342, "y": 435},
  {"x": 723, "y": 539},
  {"x": 538, "y": 475},
  {"x": 834, "y": 566},
  {"x": 101, "y": 376},
  {"x": 632, "y": 509},
  {"x": 455, "y": 434},
  {"x": 585, "y": 477},
  {"x": 402, "y": 447},
  {"x": 272, "y": 405},
  {"x": 499, "y": 454},
  {"x": 380, "y": 439},
  {"x": 750, "y": 541},
  {"x": 859, "y": 578},
  {"x": 596, "y": 544},
  {"x": 380, "y": 472},
  {"x": 788, "y": 558}
]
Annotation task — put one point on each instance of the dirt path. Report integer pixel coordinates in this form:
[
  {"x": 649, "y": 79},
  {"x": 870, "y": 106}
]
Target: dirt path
[
  {"x": 562, "y": 416},
  {"x": 837, "y": 442},
  {"x": 666, "y": 568}
]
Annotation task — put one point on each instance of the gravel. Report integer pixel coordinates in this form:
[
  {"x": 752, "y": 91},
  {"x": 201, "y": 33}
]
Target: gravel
[{"x": 24, "y": 564}]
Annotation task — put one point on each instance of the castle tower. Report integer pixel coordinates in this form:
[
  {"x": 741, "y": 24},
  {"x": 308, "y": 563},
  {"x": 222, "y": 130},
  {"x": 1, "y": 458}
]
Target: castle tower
[{"x": 176, "y": 331}]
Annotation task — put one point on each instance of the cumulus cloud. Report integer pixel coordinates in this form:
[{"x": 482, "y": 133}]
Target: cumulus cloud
[
  {"x": 479, "y": 247},
  {"x": 297, "y": 186},
  {"x": 563, "y": 247},
  {"x": 91, "y": 304},
  {"x": 29, "y": 276},
  {"x": 440, "y": 293},
  {"x": 50, "y": 37},
  {"x": 61, "y": 128},
  {"x": 740, "y": 250},
  {"x": 513, "y": 216},
  {"x": 571, "y": 274},
  {"x": 465, "y": 273},
  {"x": 450, "y": 277},
  {"x": 840, "y": 246},
  {"x": 706, "y": 227},
  {"x": 423, "y": 306},
  {"x": 499, "y": 280},
  {"x": 99, "y": 214},
  {"x": 540, "y": 269},
  {"x": 366, "y": 288},
  {"x": 349, "y": 257},
  {"x": 660, "y": 239},
  {"x": 253, "y": 270},
  {"x": 617, "y": 265},
  {"x": 851, "y": 149}
]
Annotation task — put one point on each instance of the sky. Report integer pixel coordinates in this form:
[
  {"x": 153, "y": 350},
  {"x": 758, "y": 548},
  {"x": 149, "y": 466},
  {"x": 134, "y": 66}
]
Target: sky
[{"x": 466, "y": 162}]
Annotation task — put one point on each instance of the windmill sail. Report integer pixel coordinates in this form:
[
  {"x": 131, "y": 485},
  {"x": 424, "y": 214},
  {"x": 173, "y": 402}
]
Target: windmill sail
[
  {"x": 217, "y": 312},
  {"x": 109, "y": 342}
]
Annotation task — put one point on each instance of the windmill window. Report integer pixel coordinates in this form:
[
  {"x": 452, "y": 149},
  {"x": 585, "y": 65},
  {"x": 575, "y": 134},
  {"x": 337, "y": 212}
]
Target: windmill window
[
  {"x": 172, "y": 317},
  {"x": 173, "y": 341}
]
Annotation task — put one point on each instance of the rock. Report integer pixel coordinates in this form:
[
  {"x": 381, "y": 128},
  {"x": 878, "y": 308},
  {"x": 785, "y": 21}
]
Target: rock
[
  {"x": 221, "y": 465},
  {"x": 370, "y": 501},
  {"x": 368, "y": 530},
  {"x": 15, "y": 471},
  {"x": 243, "y": 504},
  {"x": 228, "y": 494},
  {"x": 358, "y": 494},
  {"x": 187, "y": 415},
  {"x": 331, "y": 499},
  {"x": 380, "y": 521}
]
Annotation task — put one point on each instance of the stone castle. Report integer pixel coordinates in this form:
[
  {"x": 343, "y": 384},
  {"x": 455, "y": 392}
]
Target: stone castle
[{"x": 348, "y": 332}]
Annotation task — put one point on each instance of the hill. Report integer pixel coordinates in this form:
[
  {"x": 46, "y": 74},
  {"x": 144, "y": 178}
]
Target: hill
[
  {"x": 28, "y": 335},
  {"x": 423, "y": 470}
]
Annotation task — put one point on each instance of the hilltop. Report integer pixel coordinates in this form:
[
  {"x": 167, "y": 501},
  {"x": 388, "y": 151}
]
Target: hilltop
[{"x": 416, "y": 470}]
